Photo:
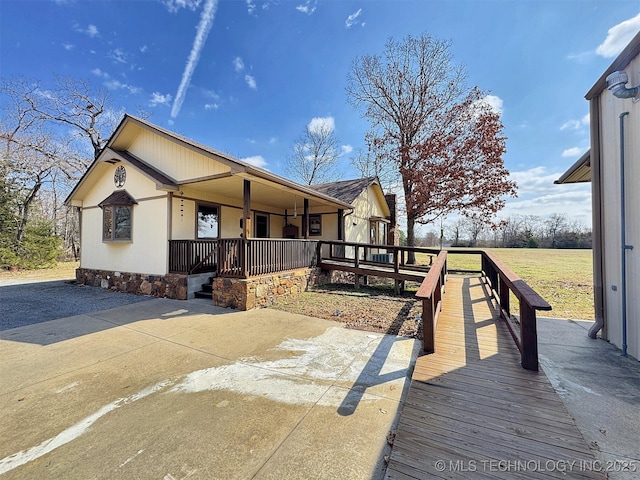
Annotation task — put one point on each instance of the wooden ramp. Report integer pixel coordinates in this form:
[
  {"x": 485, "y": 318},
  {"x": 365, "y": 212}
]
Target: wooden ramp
[{"x": 473, "y": 412}]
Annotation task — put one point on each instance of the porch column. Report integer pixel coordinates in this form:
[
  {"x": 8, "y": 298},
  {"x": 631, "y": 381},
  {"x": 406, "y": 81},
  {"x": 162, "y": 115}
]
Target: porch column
[
  {"x": 305, "y": 220},
  {"x": 340, "y": 224},
  {"x": 246, "y": 213}
]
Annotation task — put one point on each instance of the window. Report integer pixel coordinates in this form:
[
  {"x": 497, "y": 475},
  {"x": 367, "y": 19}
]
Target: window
[
  {"x": 315, "y": 225},
  {"x": 117, "y": 217},
  {"x": 378, "y": 231},
  {"x": 117, "y": 223},
  {"x": 208, "y": 221}
]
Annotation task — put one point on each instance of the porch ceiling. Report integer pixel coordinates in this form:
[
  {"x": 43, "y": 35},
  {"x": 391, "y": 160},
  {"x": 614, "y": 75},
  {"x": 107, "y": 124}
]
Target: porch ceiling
[{"x": 265, "y": 192}]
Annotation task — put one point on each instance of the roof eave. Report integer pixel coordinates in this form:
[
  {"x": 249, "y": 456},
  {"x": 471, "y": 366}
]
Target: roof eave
[
  {"x": 583, "y": 161},
  {"x": 620, "y": 63}
]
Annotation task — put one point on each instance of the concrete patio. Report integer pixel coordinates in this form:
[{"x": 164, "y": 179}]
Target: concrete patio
[{"x": 172, "y": 389}]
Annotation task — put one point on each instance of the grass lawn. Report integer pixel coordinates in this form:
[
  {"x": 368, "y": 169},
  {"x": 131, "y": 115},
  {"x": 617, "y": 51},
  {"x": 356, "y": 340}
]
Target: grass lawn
[
  {"x": 62, "y": 271},
  {"x": 564, "y": 278}
]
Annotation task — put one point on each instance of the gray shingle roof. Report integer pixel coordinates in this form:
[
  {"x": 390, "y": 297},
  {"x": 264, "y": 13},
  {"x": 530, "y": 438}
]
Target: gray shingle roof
[{"x": 345, "y": 190}]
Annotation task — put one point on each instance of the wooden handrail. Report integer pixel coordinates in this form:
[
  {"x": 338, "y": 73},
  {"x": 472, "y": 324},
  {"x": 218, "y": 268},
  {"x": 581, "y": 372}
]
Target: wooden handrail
[
  {"x": 502, "y": 281},
  {"x": 430, "y": 292}
]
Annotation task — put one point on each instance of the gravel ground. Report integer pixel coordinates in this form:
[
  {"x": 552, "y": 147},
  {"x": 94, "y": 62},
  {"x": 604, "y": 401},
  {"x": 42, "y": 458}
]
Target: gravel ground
[
  {"x": 34, "y": 302},
  {"x": 375, "y": 309}
]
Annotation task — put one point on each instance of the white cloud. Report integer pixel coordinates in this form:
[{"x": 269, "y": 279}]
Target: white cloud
[
  {"x": 539, "y": 196},
  {"x": 256, "y": 161},
  {"x": 118, "y": 56},
  {"x": 575, "y": 124},
  {"x": 238, "y": 64},
  {"x": 113, "y": 84},
  {"x": 251, "y": 81},
  {"x": 118, "y": 85},
  {"x": 91, "y": 30},
  {"x": 318, "y": 124},
  {"x": 206, "y": 21},
  {"x": 307, "y": 7},
  {"x": 251, "y": 7},
  {"x": 618, "y": 37},
  {"x": 346, "y": 149},
  {"x": 573, "y": 152},
  {"x": 494, "y": 102},
  {"x": 67, "y": 46},
  {"x": 143, "y": 49},
  {"x": 353, "y": 19},
  {"x": 211, "y": 106},
  {"x": 174, "y": 5},
  {"x": 159, "y": 99}
]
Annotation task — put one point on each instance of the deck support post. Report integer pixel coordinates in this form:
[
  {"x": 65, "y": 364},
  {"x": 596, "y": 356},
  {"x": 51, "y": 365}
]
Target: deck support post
[
  {"x": 356, "y": 284},
  {"x": 528, "y": 337}
]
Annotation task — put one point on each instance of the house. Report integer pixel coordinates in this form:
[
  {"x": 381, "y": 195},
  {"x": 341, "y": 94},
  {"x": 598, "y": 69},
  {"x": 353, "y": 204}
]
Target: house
[
  {"x": 161, "y": 214},
  {"x": 612, "y": 165}
]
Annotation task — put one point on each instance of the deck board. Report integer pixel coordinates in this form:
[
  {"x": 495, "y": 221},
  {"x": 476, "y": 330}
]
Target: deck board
[{"x": 472, "y": 406}]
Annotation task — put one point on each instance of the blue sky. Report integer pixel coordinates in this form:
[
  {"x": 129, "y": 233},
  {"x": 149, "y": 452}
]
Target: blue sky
[{"x": 247, "y": 76}]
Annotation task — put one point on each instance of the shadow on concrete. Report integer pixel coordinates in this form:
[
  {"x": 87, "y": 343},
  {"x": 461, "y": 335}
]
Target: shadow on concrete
[
  {"x": 29, "y": 312},
  {"x": 371, "y": 373}
]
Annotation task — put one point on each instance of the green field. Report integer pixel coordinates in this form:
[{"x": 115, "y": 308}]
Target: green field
[{"x": 562, "y": 277}]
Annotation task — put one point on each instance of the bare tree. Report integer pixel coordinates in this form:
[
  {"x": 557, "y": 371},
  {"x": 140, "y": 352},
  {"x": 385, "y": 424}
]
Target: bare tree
[
  {"x": 438, "y": 137},
  {"x": 473, "y": 227},
  {"x": 314, "y": 155},
  {"x": 47, "y": 139},
  {"x": 71, "y": 102},
  {"x": 370, "y": 165}
]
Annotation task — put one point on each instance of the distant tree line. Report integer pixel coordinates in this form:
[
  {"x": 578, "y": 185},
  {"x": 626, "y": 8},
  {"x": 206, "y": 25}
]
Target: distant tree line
[{"x": 529, "y": 231}]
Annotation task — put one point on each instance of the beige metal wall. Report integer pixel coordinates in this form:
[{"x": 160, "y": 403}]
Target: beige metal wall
[{"x": 611, "y": 108}]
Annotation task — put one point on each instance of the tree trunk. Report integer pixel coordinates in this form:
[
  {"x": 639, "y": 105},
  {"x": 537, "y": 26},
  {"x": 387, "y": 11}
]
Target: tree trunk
[{"x": 411, "y": 238}]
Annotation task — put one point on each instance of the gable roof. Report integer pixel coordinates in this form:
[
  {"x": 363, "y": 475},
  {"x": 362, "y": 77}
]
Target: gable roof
[
  {"x": 119, "y": 197},
  {"x": 346, "y": 190},
  {"x": 117, "y": 144}
]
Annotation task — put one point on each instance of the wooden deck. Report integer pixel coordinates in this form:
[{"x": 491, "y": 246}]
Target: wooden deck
[
  {"x": 411, "y": 273},
  {"x": 473, "y": 412}
]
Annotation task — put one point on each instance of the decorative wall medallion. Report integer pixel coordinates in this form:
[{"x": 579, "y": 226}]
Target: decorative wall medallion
[{"x": 120, "y": 176}]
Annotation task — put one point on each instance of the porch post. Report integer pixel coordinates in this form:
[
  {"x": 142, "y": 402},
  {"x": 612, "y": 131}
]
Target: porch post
[
  {"x": 246, "y": 213},
  {"x": 340, "y": 224},
  {"x": 305, "y": 220}
]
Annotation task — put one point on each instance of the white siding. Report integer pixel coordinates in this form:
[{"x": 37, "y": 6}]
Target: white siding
[
  {"x": 367, "y": 205},
  {"x": 611, "y": 108},
  {"x": 147, "y": 252}
]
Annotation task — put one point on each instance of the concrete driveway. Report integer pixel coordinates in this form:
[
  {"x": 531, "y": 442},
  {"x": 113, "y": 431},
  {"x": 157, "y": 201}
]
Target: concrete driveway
[{"x": 165, "y": 389}]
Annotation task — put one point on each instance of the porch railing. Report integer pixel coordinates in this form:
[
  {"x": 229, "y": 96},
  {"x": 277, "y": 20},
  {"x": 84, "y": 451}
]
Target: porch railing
[
  {"x": 358, "y": 254},
  {"x": 241, "y": 258},
  {"x": 193, "y": 256},
  {"x": 503, "y": 282}
]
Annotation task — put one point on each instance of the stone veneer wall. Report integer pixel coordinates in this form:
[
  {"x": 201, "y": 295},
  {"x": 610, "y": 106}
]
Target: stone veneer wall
[
  {"x": 246, "y": 294},
  {"x": 238, "y": 293},
  {"x": 170, "y": 285}
]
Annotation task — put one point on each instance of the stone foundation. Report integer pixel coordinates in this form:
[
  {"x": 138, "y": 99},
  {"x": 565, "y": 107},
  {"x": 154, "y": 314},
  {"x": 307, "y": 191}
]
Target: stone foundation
[
  {"x": 169, "y": 286},
  {"x": 246, "y": 294},
  {"x": 238, "y": 293}
]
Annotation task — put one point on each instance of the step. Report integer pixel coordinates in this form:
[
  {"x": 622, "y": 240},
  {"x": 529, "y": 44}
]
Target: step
[{"x": 202, "y": 294}]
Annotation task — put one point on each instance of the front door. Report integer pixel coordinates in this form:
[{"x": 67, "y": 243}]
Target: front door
[{"x": 262, "y": 225}]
